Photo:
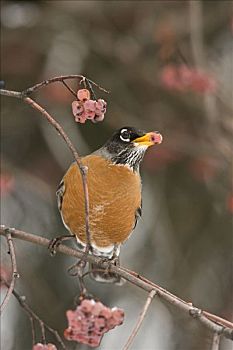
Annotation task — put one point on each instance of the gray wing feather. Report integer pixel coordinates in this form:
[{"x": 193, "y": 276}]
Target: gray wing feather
[
  {"x": 138, "y": 215},
  {"x": 60, "y": 192}
]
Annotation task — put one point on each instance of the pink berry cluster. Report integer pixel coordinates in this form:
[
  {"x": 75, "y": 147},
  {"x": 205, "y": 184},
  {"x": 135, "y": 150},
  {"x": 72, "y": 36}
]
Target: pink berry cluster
[
  {"x": 85, "y": 108},
  {"x": 183, "y": 78},
  {"x": 40, "y": 346},
  {"x": 88, "y": 323}
]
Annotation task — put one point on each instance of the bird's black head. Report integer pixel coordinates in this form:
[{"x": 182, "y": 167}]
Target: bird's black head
[{"x": 127, "y": 145}]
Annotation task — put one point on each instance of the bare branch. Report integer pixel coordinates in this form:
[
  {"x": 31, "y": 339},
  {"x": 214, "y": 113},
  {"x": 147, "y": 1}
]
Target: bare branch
[
  {"x": 14, "y": 271},
  {"x": 98, "y": 86},
  {"x": 33, "y": 329},
  {"x": 34, "y": 317},
  {"x": 61, "y": 78},
  {"x": 46, "y": 82},
  {"x": 83, "y": 169},
  {"x": 137, "y": 280},
  {"x": 217, "y": 319},
  {"x": 10, "y": 93},
  {"x": 69, "y": 88},
  {"x": 216, "y": 342},
  {"x": 140, "y": 319}
]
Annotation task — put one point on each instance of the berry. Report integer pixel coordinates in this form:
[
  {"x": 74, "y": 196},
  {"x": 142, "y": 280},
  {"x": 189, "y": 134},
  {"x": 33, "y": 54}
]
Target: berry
[
  {"x": 88, "y": 323},
  {"x": 85, "y": 108},
  {"x": 77, "y": 108},
  {"x": 83, "y": 95}
]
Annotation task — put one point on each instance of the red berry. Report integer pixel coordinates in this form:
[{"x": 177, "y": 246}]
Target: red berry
[
  {"x": 97, "y": 308},
  {"x": 83, "y": 94},
  {"x": 77, "y": 108},
  {"x": 81, "y": 119},
  {"x": 87, "y": 305},
  {"x": 101, "y": 105},
  {"x": 89, "y": 105},
  {"x": 90, "y": 321},
  {"x": 106, "y": 313},
  {"x": 118, "y": 315}
]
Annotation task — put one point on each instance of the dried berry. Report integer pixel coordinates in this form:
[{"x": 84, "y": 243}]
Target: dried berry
[
  {"x": 77, "y": 108},
  {"x": 100, "y": 107},
  {"x": 85, "y": 108},
  {"x": 89, "y": 107},
  {"x": 88, "y": 323},
  {"x": 83, "y": 95}
]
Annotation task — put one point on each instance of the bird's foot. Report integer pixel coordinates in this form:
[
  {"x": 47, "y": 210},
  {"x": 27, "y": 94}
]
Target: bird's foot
[
  {"x": 55, "y": 242},
  {"x": 78, "y": 267},
  {"x": 114, "y": 260}
]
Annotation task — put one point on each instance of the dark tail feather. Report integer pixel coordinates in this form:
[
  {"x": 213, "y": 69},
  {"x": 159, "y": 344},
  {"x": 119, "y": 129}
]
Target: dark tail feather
[{"x": 101, "y": 275}]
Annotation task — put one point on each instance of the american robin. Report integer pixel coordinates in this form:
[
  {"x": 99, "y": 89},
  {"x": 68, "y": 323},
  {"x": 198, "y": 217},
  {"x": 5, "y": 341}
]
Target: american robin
[{"x": 114, "y": 187}]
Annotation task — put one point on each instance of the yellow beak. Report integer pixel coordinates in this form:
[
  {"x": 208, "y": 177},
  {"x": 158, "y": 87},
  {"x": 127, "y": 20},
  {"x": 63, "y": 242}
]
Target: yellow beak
[{"x": 149, "y": 139}]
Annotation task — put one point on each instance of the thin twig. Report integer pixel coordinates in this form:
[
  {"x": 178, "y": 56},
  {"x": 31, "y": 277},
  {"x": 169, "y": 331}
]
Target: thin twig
[
  {"x": 42, "y": 327},
  {"x": 15, "y": 273},
  {"x": 77, "y": 269},
  {"x": 69, "y": 88},
  {"x": 11, "y": 93},
  {"x": 32, "y": 315},
  {"x": 91, "y": 89},
  {"x": 61, "y": 78},
  {"x": 217, "y": 319},
  {"x": 83, "y": 169},
  {"x": 136, "y": 279},
  {"x": 98, "y": 86},
  {"x": 215, "y": 342},
  {"x": 33, "y": 329},
  {"x": 140, "y": 319},
  {"x": 46, "y": 82}
]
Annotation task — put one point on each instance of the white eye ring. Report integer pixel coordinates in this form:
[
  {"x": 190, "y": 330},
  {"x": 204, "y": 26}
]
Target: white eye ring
[{"x": 122, "y": 137}]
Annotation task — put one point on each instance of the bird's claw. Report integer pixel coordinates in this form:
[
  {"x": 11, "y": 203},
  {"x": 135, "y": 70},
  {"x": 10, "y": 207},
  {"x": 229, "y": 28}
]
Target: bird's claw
[
  {"x": 53, "y": 245},
  {"x": 114, "y": 260},
  {"x": 55, "y": 242}
]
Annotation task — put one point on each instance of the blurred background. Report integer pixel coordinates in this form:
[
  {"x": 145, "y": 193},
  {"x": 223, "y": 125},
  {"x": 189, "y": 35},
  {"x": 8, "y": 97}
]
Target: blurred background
[{"x": 168, "y": 66}]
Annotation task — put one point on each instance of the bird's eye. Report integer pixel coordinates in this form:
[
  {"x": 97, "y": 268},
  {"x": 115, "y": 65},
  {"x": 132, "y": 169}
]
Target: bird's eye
[{"x": 125, "y": 135}]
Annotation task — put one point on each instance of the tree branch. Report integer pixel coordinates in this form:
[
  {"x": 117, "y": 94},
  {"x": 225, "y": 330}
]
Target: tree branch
[
  {"x": 61, "y": 79},
  {"x": 212, "y": 322},
  {"x": 140, "y": 319},
  {"x": 34, "y": 317},
  {"x": 14, "y": 271},
  {"x": 83, "y": 169},
  {"x": 215, "y": 342}
]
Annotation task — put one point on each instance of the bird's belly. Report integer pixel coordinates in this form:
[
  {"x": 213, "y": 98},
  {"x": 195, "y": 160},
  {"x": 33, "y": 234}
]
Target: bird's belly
[
  {"x": 113, "y": 200},
  {"x": 111, "y": 223}
]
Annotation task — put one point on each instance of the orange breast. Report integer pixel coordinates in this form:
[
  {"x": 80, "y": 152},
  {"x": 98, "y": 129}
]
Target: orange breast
[{"x": 114, "y": 195}]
